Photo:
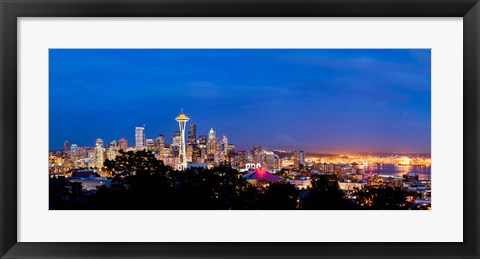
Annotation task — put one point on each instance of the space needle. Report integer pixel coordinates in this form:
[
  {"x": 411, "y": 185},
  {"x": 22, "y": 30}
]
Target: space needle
[{"x": 182, "y": 121}]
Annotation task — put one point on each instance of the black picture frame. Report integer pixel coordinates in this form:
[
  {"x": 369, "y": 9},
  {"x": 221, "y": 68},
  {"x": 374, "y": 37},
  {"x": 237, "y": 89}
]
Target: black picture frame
[{"x": 10, "y": 10}]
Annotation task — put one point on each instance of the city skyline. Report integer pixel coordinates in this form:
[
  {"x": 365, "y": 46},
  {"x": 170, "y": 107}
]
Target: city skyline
[
  {"x": 133, "y": 145},
  {"x": 352, "y": 100}
]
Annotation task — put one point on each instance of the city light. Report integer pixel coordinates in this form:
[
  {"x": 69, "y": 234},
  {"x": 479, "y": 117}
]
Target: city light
[{"x": 282, "y": 129}]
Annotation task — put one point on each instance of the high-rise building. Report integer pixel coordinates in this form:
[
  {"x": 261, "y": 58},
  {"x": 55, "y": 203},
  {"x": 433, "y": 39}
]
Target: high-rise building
[
  {"x": 65, "y": 147},
  {"x": 197, "y": 155},
  {"x": 73, "y": 152},
  {"x": 224, "y": 143},
  {"x": 212, "y": 142},
  {"x": 211, "y": 135},
  {"x": 257, "y": 153},
  {"x": 270, "y": 160},
  {"x": 175, "y": 150},
  {"x": 202, "y": 146},
  {"x": 165, "y": 151},
  {"x": 150, "y": 144},
  {"x": 123, "y": 144},
  {"x": 182, "y": 120},
  {"x": 112, "y": 150},
  {"x": 213, "y": 145},
  {"x": 189, "y": 156},
  {"x": 202, "y": 141},
  {"x": 176, "y": 138},
  {"x": 192, "y": 134},
  {"x": 140, "y": 138},
  {"x": 299, "y": 158},
  {"x": 99, "y": 159},
  {"x": 114, "y": 143},
  {"x": 161, "y": 141}
]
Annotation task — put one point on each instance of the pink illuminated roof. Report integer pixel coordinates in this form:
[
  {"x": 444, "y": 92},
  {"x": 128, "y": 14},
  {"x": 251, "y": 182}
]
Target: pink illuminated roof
[{"x": 260, "y": 173}]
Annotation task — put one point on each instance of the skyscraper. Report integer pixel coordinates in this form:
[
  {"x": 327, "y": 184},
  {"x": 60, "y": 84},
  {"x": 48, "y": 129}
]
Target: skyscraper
[
  {"x": 299, "y": 158},
  {"x": 123, "y": 144},
  {"x": 112, "y": 150},
  {"x": 197, "y": 155},
  {"x": 176, "y": 138},
  {"x": 202, "y": 145},
  {"x": 74, "y": 152},
  {"x": 161, "y": 140},
  {"x": 182, "y": 121},
  {"x": 99, "y": 153},
  {"x": 150, "y": 144},
  {"x": 65, "y": 147},
  {"x": 225, "y": 145},
  {"x": 192, "y": 134},
  {"x": 140, "y": 138},
  {"x": 211, "y": 135},
  {"x": 212, "y": 142},
  {"x": 257, "y": 152},
  {"x": 202, "y": 141}
]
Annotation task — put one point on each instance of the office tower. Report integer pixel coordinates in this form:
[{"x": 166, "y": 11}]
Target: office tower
[
  {"x": 270, "y": 160},
  {"x": 99, "y": 153},
  {"x": 241, "y": 159},
  {"x": 218, "y": 157},
  {"x": 140, "y": 138},
  {"x": 160, "y": 144},
  {"x": 211, "y": 142},
  {"x": 176, "y": 138},
  {"x": 189, "y": 156},
  {"x": 161, "y": 141},
  {"x": 212, "y": 146},
  {"x": 197, "y": 155},
  {"x": 182, "y": 120},
  {"x": 174, "y": 150},
  {"x": 299, "y": 158},
  {"x": 73, "y": 152},
  {"x": 112, "y": 150},
  {"x": 165, "y": 151},
  {"x": 192, "y": 134},
  {"x": 257, "y": 152},
  {"x": 202, "y": 146},
  {"x": 211, "y": 135},
  {"x": 216, "y": 144},
  {"x": 65, "y": 147},
  {"x": 123, "y": 144},
  {"x": 202, "y": 141},
  {"x": 224, "y": 143},
  {"x": 150, "y": 144}
]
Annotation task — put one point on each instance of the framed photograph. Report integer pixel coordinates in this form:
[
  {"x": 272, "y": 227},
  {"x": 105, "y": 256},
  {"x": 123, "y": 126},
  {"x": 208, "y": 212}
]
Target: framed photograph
[{"x": 318, "y": 129}]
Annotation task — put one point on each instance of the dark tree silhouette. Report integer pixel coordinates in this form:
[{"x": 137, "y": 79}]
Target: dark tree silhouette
[
  {"x": 384, "y": 198},
  {"x": 218, "y": 188},
  {"x": 64, "y": 194},
  {"x": 280, "y": 196},
  {"x": 142, "y": 182},
  {"x": 325, "y": 195},
  {"x": 139, "y": 182},
  {"x": 132, "y": 163}
]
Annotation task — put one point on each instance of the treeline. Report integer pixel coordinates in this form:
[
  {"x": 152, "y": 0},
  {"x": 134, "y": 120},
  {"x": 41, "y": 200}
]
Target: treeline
[{"x": 141, "y": 182}]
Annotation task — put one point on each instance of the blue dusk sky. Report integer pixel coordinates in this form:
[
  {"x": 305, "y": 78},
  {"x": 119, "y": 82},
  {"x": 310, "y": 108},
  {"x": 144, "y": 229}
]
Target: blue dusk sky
[{"x": 319, "y": 100}]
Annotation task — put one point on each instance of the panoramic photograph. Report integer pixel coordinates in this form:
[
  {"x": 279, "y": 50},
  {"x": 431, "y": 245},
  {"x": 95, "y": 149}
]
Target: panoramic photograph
[{"x": 239, "y": 129}]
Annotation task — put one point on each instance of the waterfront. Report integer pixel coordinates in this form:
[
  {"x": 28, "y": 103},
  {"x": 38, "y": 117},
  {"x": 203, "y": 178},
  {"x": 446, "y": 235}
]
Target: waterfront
[{"x": 423, "y": 172}]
